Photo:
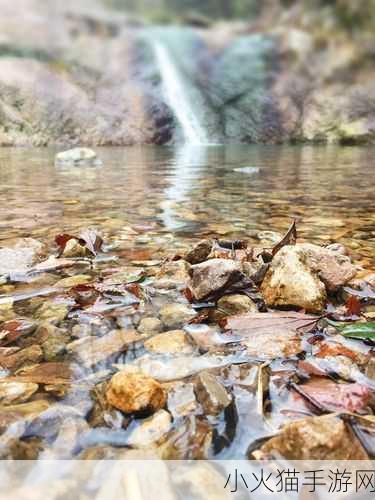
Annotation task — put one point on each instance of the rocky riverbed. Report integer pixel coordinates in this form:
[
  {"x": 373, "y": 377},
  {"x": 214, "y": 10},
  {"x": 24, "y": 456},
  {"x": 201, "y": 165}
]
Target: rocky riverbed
[
  {"x": 84, "y": 74},
  {"x": 225, "y": 348}
]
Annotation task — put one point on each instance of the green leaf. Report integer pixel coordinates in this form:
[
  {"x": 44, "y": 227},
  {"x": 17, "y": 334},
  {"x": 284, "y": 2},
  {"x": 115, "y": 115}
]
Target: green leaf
[{"x": 362, "y": 331}]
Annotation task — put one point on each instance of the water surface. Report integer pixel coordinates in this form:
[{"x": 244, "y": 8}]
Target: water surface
[{"x": 191, "y": 192}]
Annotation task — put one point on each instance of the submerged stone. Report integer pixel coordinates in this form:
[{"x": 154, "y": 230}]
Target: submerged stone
[
  {"x": 19, "y": 254},
  {"x": 134, "y": 392},
  {"x": 236, "y": 304},
  {"x": 211, "y": 394},
  {"x": 174, "y": 341},
  {"x": 151, "y": 430},
  {"x": 53, "y": 311},
  {"x": 29, "y": 355},
  {"x": 16, "y": 392},
  {"x": 79, "y": 279},
  {"x": 176, "y": 315},
  {"x": 313, "y": 438},
  {"x": 149, "y": 326},
  {"x": 13, "y": 413},
  {"x": 181, "y": 398},
  {"x": 93, "y": 350}
]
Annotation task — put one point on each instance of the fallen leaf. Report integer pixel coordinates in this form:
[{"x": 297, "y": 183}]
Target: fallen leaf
[
  {"x": 289, "y": 238},
  {"x": 353, "y": 306},
  {"x": 337, "y": 397},
  {"x": 91, "y": 240},
  {"x": 271, "y": 322},
  {"x": 358, "y": 330}
]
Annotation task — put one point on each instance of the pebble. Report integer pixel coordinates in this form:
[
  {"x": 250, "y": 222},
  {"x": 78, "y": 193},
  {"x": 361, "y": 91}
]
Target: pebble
[
  {"x": 134, "y": 392},
  {"x": 176, "y": 315}
]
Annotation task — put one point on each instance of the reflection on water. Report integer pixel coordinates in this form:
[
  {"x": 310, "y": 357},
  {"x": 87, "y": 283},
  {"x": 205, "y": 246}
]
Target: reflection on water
[{"x": 195, "y": 191}]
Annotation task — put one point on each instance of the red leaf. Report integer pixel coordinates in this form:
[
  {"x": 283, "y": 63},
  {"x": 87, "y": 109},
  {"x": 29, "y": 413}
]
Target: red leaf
[
  {"x": 353, "y": 306},
  {"x": 135, "y": 289},
  {"x": 188, "y": 294},
  {"x": 62, "y": 239},
  {"x": 201, "y": 318},
  {"x": 336, "y": 350},
  {"x": 337, "y": 397}
]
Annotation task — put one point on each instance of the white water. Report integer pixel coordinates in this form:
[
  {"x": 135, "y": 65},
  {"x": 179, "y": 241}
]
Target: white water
[{"x": 177, "y": 98}]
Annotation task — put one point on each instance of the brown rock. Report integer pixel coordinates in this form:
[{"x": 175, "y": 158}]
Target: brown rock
[
  {"x": 134, "y": 392},
  {"x": 211, "y": 394},
  {"x": 172, "y": 275},
  {"x": 313, "y": 438},
  {"x": 290, "y": 282},
  {"x": 29, "y": 355},
  {"x": 200, "y": 252},
  {"x": 45, "y": 373},
  {"x": 209, "y": 277},
  {"x": 174, "y": 341}
]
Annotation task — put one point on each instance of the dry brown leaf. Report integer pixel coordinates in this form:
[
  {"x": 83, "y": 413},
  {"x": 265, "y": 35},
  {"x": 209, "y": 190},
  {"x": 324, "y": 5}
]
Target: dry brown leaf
[{"x": 287, "y": 321}]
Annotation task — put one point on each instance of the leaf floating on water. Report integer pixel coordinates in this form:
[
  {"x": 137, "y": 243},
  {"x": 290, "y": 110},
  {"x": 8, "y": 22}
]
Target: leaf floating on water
[
  {"x": 290, "y": 238},
  {"x": 271, "y": 322}
]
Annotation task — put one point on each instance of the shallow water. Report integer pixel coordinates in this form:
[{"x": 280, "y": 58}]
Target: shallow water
[
  {"x": 151, "y": 202},
  {"x": 194, "y": 191}
]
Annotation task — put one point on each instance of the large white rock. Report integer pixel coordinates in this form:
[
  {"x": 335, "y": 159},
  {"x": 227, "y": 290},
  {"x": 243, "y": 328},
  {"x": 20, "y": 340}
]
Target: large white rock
[
  {"x": 302, "y": 274},
  {"x": 77, "y": 156},
  {"x": 290, "y": 282}
]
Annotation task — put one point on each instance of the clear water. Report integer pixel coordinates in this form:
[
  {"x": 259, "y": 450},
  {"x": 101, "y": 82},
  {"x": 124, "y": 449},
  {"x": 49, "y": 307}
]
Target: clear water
[
  {"x": 150, "y": 202},
  {"x": 191, "y": 192}
]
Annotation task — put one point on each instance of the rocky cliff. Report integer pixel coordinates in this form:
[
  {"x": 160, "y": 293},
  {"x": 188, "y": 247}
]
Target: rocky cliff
[{"x": 82, "y": 75}]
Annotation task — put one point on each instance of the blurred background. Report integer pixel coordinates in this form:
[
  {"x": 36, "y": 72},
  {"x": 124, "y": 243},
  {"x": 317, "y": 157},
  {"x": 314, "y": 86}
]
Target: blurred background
[{"x": 123, "y": 72}]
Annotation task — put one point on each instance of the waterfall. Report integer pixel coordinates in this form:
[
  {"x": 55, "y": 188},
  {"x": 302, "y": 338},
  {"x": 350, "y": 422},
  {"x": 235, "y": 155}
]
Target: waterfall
[{"x": 177, "y": 98}]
